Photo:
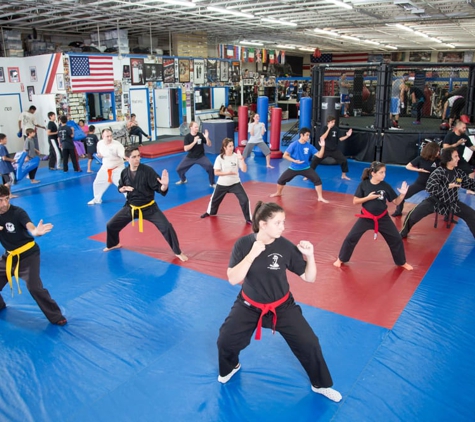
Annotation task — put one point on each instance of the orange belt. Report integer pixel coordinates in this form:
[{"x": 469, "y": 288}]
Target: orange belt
[
  {"x": 109, "y": 175},
  {"x": 265, "y": 308},
  {"x": 366, "y": 214},
  {"x": 9, "y": 263}
]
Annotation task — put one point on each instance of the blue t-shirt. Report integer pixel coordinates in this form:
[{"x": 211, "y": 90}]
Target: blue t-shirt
[
  {"x": 5, "y": 166},
  {"x": 302, "y": 152}
]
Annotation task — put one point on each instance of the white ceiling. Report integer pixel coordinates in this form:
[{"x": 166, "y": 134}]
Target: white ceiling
[{"x": 449, "y": 21}]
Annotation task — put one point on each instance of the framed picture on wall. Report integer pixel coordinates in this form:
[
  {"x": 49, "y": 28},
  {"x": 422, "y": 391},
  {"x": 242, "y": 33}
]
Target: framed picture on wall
[
  {"x": 184, "y": 69},
  {"x": 33, "y": 75},
  {"x": 138, "y": 76},
  {"x": 224, "y": 71},
  {"x": 60, "y": 81},
  {"x": 31, "y": 92},
  {"x": 13, "y": 74},
  {"x": 2, "y": 75}
]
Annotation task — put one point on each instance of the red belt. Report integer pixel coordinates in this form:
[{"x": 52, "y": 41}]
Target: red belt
[
  {"x": 366, "y": 214},
  {"x": 265, "y": 307}
]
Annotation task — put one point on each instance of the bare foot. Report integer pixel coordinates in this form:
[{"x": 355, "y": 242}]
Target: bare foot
[
  {"x": 338, "y": 263},
  {"x": 323, "y": 200},
  {"x": 90, "y": 171},
  {"x": 275, "y": 194},
  {"x": 182, "y": 257},
  {"x": 305, "y": 178},
  {"x": 344, "y": 177},
  {"x": 407, "y": 267},
  {"x": 270, "y": 167},
  {"x": 118, "y": 246},
  {"x": 34, "y": 181},
  {"x": 13, "y": 196}
]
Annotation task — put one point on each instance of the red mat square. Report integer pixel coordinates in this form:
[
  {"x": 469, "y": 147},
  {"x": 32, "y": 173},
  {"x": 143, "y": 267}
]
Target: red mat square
[
  {"x": 370, "y": 288},
  {"x": 161, "y": 148}
]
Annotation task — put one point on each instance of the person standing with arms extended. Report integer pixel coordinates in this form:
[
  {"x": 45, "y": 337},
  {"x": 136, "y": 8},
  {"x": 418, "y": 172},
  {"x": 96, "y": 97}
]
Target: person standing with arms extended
[
  {"x": 226, "y": 167},
  {"x": 372, "y": 194},
  {"x": 259, "y": 262},
  {"x": 22, "y": 256},
  {"x": 139, "y": 183},
  {"x": 257, "y": 130},
  {"x": 195, "y": 147}
]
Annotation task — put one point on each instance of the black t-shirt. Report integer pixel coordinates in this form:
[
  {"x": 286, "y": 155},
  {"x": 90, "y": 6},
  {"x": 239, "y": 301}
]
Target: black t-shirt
[
  {"x": 65, "y": 136},
  {"x": 422, "y": 163},
  {"x": 14, "y": 233},
  {"x": 198, "y": 150},
  {"x": 266, "y": 280},
  {"x": 417, "y": 92},
  {"x": 452, "y": 138},
  {"x": 53, "y": 128},
  {"x": 333, "y": 137},
  {"x": 376, "y": 206},
  {"x": 91, "y": 140}
]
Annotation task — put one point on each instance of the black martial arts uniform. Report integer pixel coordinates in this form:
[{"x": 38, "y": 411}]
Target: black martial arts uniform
[
  {"x": 443, "y": 199},
  {"x": 385, "y": 225},
  {"x": 265, "y": 283},
  {"x": 15, "y": 235},
  {"x": 145, "y": 184}
]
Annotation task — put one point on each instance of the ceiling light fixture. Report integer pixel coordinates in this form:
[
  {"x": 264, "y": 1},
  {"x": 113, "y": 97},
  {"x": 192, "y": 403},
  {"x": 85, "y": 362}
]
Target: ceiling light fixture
[
  {"x": 324, "y": 31},
  {"x": 251, "y": 43},
  {"x": 277, "y": 21},
  {"x": 286, "y": 47},
  {"x": 347, "y": 37},
  {"x": 306, "y": 49},
  {"x": 230, "y": 12},
  {"x": 342, "y": 4},
  {"x": 391, "y": 47},
  {"x": 406, "y": 28},
  {"x": 178, "y": 3},
  {"x": 450, "y": 45},
  {"x": 371, "y": 42}
]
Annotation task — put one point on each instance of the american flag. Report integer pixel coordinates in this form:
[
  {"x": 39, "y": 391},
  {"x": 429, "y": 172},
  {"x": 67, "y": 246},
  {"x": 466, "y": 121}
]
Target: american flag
[
  {"x": 91, "y": 73},
  {"x": 350, "y": 58},
  {"x": 324, "y": 58}
]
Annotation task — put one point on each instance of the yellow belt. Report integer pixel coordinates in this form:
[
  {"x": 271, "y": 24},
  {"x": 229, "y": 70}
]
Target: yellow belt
[
  {"x": 139, "y": 209},
  {"x": 9, "y": 263}
]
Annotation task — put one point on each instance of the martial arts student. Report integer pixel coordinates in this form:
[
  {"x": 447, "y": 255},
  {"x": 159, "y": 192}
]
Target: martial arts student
[
  {"x": 22, "y": 256},
  {"x": 195, "y": 146},
  {"x": 424, "y": 165},
  {"x": 259, "y": 262},
  {"x": 256, "y": 130},
  {"x": 112, "y": 154},
  {"x": 91, "y": 142},
  {"x": 372, "y": 194},
  {"x": 299, "y": 153},
  {"x": 443, "y": 186},
  {"x": 331, "y": 134},
  {"x": 139, "y": 183},
  {"x": 66, "y": 143},
  {"x": 226, "y": 167}
]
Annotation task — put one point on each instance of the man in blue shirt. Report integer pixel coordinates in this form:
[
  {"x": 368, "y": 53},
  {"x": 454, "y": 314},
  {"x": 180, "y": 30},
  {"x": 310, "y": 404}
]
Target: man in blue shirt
[{"x": 299, "y": 154}]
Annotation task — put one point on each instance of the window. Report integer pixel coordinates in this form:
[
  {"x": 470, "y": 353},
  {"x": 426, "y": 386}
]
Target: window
[{"x": 100, "y": 107}]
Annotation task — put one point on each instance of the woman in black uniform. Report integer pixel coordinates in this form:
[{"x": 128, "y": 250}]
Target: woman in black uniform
[
  {"x": 372, "y": 194},
  {"x": 424, "y": 164},
  {"x": 259, "y": 262}
]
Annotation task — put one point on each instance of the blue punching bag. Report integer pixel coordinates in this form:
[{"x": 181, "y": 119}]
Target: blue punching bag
[
  {"x": 305, "y": 113},
  {"x": 263, "y": 112}
]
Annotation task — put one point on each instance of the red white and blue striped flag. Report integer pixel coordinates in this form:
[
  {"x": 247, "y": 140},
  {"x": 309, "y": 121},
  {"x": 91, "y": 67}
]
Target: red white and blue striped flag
[
  {"x": 349, "y": 58},
  {"x": 324, "y": 58},
  {"x": 91, "y": 73}
]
